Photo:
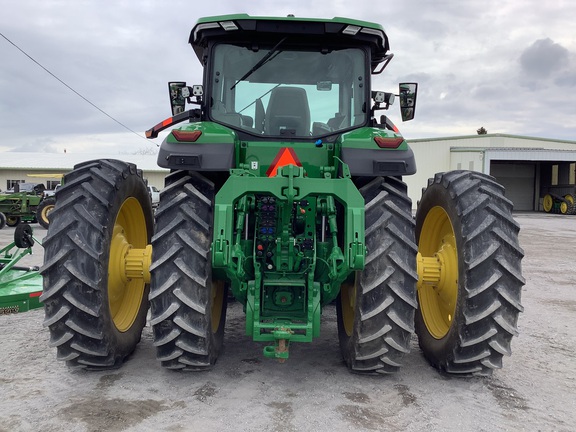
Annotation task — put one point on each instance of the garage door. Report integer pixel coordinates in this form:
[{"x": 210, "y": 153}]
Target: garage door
[{"x": 518, "y": 179}]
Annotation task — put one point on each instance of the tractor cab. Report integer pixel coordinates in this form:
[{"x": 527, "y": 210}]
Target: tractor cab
[
  {"x": 288, "y": 78},
  {"x": 283, "y": 91}
]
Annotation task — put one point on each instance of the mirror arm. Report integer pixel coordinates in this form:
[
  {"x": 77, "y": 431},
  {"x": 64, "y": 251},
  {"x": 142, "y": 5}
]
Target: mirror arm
[
  {"x": 198, "y": 100},
  {"x": 377, "y": 107}
]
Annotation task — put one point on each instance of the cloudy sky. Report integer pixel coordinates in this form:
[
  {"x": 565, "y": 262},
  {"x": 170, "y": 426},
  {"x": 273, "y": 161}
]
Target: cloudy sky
[{"x": 509, "y": 66}]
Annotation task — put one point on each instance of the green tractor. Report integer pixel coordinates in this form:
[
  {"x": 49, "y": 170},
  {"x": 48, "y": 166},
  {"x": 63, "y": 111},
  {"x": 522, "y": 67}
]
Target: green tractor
[
  {"x": 286, "y": 193},
  {"x": 24, "y": 204}
]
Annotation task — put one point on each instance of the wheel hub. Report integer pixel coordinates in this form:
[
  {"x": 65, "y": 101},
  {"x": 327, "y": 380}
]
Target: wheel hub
[
  {"x": 437, "y": 264},
  {"x": 129, "y": 264}
]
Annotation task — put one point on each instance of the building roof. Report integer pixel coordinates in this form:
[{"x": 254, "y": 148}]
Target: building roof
[
  {"x": 66, "y": 161},
  {"x": 495, "y": 135}
]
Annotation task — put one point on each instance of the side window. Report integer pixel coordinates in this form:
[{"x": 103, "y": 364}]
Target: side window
[{"x": 10, "y": 183}]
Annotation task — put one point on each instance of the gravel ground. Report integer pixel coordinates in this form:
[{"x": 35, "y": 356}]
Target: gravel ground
[{"x": 312, "y": 391}]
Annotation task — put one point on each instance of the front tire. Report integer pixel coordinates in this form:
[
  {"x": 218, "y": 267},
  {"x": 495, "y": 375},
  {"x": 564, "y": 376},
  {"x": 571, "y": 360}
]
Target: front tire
[
  {"x": 470, "y": 278},
  {"x": 94, "y": 311},
  {"x": 569, "y": 207},
  {"x": 188, "y": 308},
  {"x": 43, "y": 211},
  {"x": 376, "y": 312}
]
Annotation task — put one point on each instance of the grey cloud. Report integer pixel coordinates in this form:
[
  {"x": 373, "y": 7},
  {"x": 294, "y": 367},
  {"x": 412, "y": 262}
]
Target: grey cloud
[
  {"x": 543, "y": 57},
  {"x": 567, "y": 79},
  {"x": 121, "y": 58}
]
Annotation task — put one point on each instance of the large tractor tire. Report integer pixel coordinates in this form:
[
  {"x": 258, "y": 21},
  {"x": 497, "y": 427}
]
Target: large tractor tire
[
  {"x": 469, "y": 267},
  {"x": 43, "y": 211},
  {"x": 96, "y": 264},
  {"x": 376, "y": 312},
  {"x": 188, "y": 308}
]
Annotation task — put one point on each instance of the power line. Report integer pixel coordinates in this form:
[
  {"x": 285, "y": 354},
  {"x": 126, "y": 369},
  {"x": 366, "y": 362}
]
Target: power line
[{"x": 70, "y": 88}]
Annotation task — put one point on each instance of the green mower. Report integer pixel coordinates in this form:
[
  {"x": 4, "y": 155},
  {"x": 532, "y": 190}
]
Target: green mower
[{"x": 20, "y": 286}]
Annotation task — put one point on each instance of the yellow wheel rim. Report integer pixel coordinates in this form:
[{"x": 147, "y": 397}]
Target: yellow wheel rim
[
  {"x": 548, "y": 203},
  {"x": 125, "y": 294},
  {"x": 217, "y": 302},
  {"x": 46, "y": 211},
  {"x": 348, "y": 303},
  {"x": 563, "y": 208},
  {"x": 570, "y": 204},
  {"x": 437, "y": 272}
]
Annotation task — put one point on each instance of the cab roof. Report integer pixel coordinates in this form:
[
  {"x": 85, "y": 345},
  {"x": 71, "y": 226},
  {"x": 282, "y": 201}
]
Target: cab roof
[{"x": 243, "y": 28}]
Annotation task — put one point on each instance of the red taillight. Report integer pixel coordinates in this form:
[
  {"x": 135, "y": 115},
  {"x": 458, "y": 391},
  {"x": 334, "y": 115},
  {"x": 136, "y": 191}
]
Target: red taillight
[
  {"x": 36, "y": 294},
  {"x": 390, "y": 143},
  {"x": 188, "y": 136}
]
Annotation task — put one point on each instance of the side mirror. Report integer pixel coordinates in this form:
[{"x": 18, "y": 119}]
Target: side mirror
[
  {"x": 177, "y": 99},
  {"x": 408, "y": 92}
]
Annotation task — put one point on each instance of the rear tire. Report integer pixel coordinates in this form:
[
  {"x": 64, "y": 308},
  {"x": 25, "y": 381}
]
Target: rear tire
[
  {"x": 2, "y": 220},
  {"x": 465, "y": 321},
  {"x": 547, "y": 203},
  {"x": 570, "y": 203},
  {"x": 43, "y": 211},
  {"x": 376, "y": 311},
  {"x": 188, "y": 308},
  {"x": 96, "y": 317},
  {"x": 12, "y": 221}
]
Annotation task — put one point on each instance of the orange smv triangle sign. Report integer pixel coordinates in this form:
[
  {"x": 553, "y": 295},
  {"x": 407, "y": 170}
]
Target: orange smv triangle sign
[{"x": 286, "y": 156}]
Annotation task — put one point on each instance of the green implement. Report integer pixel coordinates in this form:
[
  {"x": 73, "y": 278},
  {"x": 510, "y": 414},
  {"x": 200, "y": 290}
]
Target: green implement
[{"x": 20, "y": 286}]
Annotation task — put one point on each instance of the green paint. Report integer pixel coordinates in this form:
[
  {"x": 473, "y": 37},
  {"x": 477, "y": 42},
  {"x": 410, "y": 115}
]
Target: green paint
[
  {"x": 19, "y": 289},
  {"x": 291, "y": 267},
  {"x": 288, "y": 217}
]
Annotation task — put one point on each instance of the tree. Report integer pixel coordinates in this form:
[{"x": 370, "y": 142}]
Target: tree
[
  {"x": 146, "y": 151},
  {"x": 481, "y": 131}
]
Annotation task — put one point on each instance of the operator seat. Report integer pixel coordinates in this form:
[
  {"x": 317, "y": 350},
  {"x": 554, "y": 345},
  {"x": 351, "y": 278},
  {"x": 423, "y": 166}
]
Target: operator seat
[{"x": 288, "y": 112}]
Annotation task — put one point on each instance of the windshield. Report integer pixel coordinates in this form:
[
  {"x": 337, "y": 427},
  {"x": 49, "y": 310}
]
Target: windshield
[{"x": 283, "y": 92}]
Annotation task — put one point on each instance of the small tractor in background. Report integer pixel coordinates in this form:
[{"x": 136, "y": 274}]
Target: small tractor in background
[
  {"x": 47, "y": 204},
  {"x": 558, "y": 203},
  {"x": 286, "y": 191},
  {"x": 25, "y": 204}
]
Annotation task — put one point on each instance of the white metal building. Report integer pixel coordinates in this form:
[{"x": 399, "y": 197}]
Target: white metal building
[
  {"x": 22, "y": 167},
  {"x": 528, "y": 167}
]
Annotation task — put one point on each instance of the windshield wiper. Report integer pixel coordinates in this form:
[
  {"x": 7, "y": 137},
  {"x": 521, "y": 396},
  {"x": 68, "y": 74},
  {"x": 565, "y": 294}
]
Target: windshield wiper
[{"x": 258, "y": 65}]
